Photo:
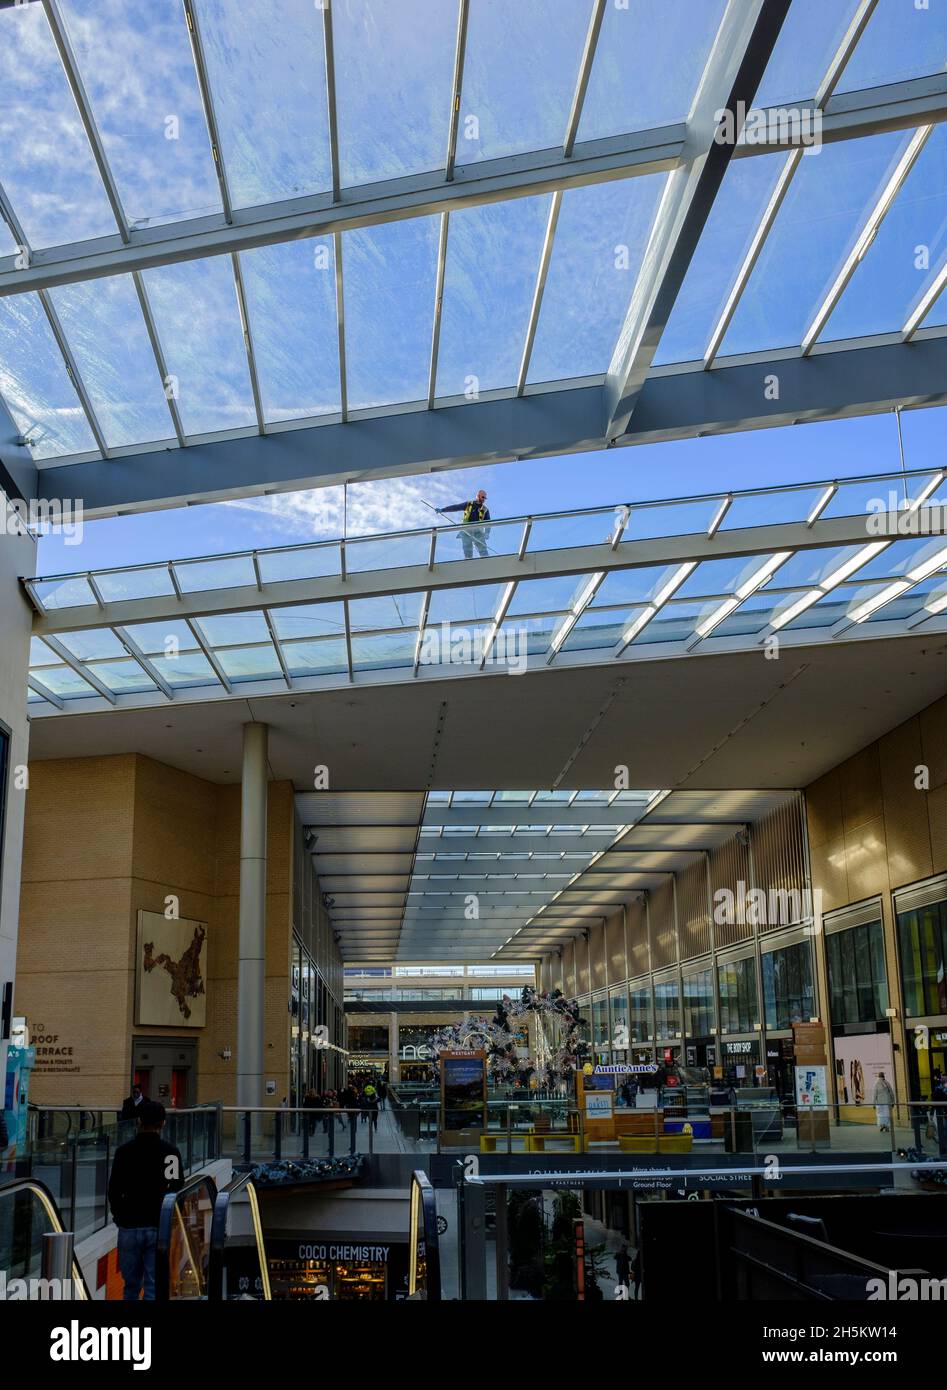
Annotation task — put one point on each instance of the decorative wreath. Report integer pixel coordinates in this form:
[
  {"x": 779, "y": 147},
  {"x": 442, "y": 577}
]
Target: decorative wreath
[{"x": 560, "y": 1045}]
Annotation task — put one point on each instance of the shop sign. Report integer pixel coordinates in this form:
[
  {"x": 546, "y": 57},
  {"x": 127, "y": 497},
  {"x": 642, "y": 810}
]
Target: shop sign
[
  {"x": 53, "y": 1053},
  {"x": 740, "y": 1048},
  {"x": 626, "y": 1068},
  {"x": 378, "y": 1254},
  {"x": 416, "y": 1052}
]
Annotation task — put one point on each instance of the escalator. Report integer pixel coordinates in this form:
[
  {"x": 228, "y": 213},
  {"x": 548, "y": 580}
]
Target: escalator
[
  {"x": 199, "y": 1255},
  {"x": 28, "y": 1214}
]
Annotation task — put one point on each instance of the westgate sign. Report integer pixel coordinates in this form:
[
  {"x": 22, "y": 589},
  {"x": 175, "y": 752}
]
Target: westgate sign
[{"x": 626, "y": 1069}]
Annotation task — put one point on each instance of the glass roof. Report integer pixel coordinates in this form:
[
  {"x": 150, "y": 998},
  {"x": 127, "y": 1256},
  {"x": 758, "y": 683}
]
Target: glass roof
[
  {"x": 187, "y": 120},
  {"x": 838, "y": 559}
]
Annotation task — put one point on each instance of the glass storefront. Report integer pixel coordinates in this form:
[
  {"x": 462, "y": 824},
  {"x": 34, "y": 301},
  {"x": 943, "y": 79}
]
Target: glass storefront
[
  {"x": 639, "y": 1013},
  {"x": 788, "y": 995},
  {"x": 667, "y": 1009},
  {"x": 858, "y": 980},
  {"x": 601, "y": 1038},
  {"x": 699, "y": 1003},
  {"x": 739, "y": 1007},
  {"x": 922, "y": 935},
  {"x": 618, "y": 1006}
]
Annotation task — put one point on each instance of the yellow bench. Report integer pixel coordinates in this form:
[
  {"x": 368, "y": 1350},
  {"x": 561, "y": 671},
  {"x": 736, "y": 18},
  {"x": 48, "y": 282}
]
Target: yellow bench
[
  {"x": 655, "y": 1144},
  {"x": 536, "y": 1143}
]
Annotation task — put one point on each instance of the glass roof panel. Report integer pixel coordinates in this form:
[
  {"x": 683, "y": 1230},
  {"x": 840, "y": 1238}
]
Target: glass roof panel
[
  {"x": 598, "y": 629},
  {"x": 250, "y": 663},
  {"x": 139, "y": 76},
  {"x": 830, "y": 608},
  {"x": 834, "y": 189},
  {"x": 728, "y": 232},
  {"x": 104, "y": 327},
  {"x": 383, "y": 650},
  {"x": 46, "y": 165},
  {"x": 65, "y": 682},
  {"x": 34, "y": 381},
  {"x": 122, "y": 677},
  {"x": 601, "y": 236},
  {"x": 228, "y": 629},
  {"x": 633, "y": 586},
  {"x": 98, "y": 644},
  {"x": 808, "y": 41},
  {"x": 64, "y": 593},
  {"x": 308, "y": 562},
  {"x": 308, "y": 620},
  {"x": 269, "y": 86},
  {"x": 552, "y": 595},
  {"x": 186, "y": 668},
  {"x": 769, "y": 508},
  {"x": 670, "y": 519},
  {"x": 385, "y": 610},
  {"x": 195, "y": 308},
  {"x": 115, "y": 585},
  {"x": 889, "y": 281},
  {"x": 905, "y": 605},
  {"x": 456, "y": 542},
  {"x": 808, "y": 567},
  {"x": 863, "y": 498},
  {"x": 507, "y": 104},
  {"x": 389, "y": 276},
  {"x": 896, "y": 560},
  {"x": 317, "y": 657},
  {"x": 387, "y": 552},
  {"x": 41, "y": 655},
  {"x": 752, "y": 615},
  {"x": 474, "y": 604},
  {"x": 393, "y": 73},
  {"x": 228, "y": 572},
  {"x": 493, "y": 255},
  {"x": 673, "y": 623},
  {"x": 535, "y": 632},
  {"x": 562, "y": 532},
  {"x": 167, "y": 637},
  {"x": 648, "y": 64},
  {"x": 719, "y": 576},
  {"x": 902, "y": 39},
  {"x": 290, "y": 291}
]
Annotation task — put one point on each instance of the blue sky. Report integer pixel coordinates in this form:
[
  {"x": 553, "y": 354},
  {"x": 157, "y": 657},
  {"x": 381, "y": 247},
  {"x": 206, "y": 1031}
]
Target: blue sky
[
  {"x": 854, "y": 447},
  {"x": 394, "y": 67}
]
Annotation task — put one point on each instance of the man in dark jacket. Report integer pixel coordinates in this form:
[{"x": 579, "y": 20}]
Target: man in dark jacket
[
  {"x": 131, "y": 1105},
  {"x": 143, "y": 1171},
  {"x": 474, "y": 533}
]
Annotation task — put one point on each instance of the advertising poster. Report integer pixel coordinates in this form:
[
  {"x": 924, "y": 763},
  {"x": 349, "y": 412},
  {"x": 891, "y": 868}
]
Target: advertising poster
[
  {"x": 463, "y": 1090},
  {"x": 860, "y": 1058},
  {"x": 598, "y": 1105},
  {"x": 812, "y": 1085}
]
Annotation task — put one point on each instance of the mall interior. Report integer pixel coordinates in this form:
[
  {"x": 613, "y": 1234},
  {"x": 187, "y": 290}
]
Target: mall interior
[{"x": 495, "y": 914}]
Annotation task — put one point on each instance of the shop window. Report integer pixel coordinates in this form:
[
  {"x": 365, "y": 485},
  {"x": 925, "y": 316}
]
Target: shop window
[
  {"x": 739, "y": 1012},
  {"x": 923, "y": 939},
  {"x": 858, "y": 982},
  {"x": 788, "y": 995}
]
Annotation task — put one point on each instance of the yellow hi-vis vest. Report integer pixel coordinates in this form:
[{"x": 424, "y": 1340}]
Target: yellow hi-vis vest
[{"x": 474, "y": 513}]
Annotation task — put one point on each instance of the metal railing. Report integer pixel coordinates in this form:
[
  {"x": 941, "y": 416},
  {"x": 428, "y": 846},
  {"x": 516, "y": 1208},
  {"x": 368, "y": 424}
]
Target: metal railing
[{"x": 70, "y": 1149}]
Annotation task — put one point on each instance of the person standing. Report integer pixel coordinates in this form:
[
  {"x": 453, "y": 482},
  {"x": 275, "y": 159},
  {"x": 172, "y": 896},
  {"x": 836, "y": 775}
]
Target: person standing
[
  {"x": 131, "y": 1105},
  {"x": 473, "y": 532},
  {"x": 883, "y": 1099},
  {"x": 143, "y": 1171},
  {"x": 623, "y": 1268}
]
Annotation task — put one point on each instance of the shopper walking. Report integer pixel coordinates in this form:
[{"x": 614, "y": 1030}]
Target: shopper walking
[
  {"x": 143, "y": 1172},
  {"x": 883, "y": 1100}
]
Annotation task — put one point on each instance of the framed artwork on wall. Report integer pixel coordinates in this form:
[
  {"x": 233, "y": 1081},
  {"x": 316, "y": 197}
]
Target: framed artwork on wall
[{"x": 171, "y": 971}]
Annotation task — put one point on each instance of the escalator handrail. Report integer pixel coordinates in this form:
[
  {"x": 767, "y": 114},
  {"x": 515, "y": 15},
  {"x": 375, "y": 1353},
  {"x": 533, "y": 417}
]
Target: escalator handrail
[
  {"x": 169, "y": 1214},
  {"x": 432, "y": 1246},
  {"x": 218, "y": 1236},
  {"x": 49, "y": 1205}
]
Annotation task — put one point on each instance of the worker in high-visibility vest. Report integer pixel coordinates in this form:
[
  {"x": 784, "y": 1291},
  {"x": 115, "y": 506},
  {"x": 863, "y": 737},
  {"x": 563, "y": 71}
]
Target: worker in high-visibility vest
[{"x": 473, "y": 532}]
